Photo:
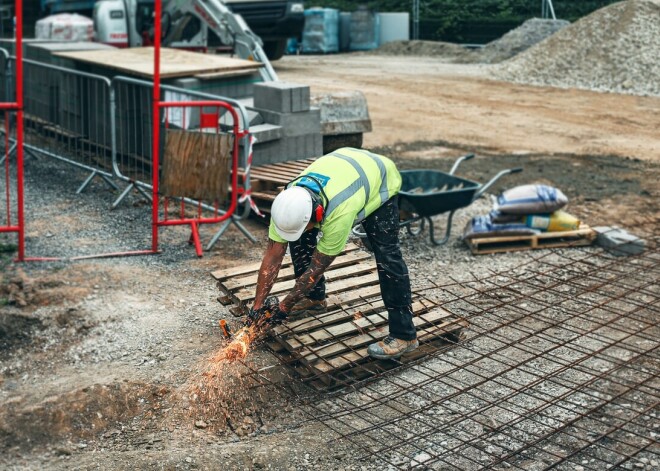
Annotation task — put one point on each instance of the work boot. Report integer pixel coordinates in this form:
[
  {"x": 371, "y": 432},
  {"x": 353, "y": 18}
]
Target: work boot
[
  {"x": 308, "y": 306},
  {"x": 390, "y": 347}
]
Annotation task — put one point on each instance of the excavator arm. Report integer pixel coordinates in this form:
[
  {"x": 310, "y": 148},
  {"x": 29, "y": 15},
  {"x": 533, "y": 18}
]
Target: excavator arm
[{"x": 230, "y": 27}]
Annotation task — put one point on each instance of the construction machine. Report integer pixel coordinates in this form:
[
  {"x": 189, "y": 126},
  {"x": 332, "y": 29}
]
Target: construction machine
[{"x": 186, "y": 24}]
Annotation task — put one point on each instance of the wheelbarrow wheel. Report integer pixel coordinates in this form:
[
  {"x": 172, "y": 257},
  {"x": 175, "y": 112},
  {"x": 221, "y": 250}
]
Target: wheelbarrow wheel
[
  {"x": 366, "y": 244},
  {"x": 358, "y": 232},
  {"x": 416, "y": 227}
]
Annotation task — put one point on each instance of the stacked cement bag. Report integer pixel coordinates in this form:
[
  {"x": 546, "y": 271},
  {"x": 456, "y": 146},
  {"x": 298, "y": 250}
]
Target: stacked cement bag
[
  {"x": 321, "y": 33},
  {"x": 65, "y": 27},
  {"x": 365, "y": 30},
  {"x": 524, "y": 210}
]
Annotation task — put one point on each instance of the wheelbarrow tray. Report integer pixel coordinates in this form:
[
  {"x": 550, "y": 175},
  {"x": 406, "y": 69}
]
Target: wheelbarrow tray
[{"x": 431, "y": 192}]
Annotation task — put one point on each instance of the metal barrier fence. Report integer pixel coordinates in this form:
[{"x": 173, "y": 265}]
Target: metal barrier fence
[
  {"x": 11, "y": 107},
  {"x": 105, "y": 127},
  {"x": 6, "y": 90},
  {"x": 132, "y": 123},
  {"x": 68, "y": 118}
]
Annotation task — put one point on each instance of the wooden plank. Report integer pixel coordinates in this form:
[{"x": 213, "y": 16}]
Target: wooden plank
[
  {"x": 319, "y": 320},
  {"x": 354, "y": 296},
  {"x": 348, "y": 259},
  {"x": 331, "y": 275},
  {"x": 487, "y": 245},
  {"x": 174, "y": 62},
  {"x": 421, "y": 321},
  {"x": 246, "y": 269},
  {"x": 226, "y": 74},
  {"x": 357, "y": 356},
  {"x": 289, "y": 164},
  {"x": 284, "y": 174},
  {"x": 345, "y": 284},
  {"x": 354, "y": 325},
  {"x": 582, "y": 232}
]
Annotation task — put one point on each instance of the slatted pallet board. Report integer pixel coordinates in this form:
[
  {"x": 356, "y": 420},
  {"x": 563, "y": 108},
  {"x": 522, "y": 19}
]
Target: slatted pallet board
[
  {"x": 547, "y": 240},
  {"x": 330, "y": 349},
  {"x": 351, "y": 276},
  {"x": 268, "y": 180}
]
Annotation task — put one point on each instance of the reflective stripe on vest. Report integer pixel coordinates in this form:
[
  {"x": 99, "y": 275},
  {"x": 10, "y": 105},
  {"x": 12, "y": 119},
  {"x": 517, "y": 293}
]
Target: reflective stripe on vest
[
  {"x": 384, "y": 191},
  {"x": 361, "y": 182}
]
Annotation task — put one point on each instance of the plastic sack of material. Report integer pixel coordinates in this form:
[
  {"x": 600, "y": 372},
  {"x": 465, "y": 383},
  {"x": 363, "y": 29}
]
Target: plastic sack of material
[
  {"x": 483, "y": 226},
  {"x": 531, "y": 199},
  {"x": 65, "y": 27},
  {"x": 321, "y": 33},
  {"x": 503, "y": 218},
  {"x": 559, "y": 221}
]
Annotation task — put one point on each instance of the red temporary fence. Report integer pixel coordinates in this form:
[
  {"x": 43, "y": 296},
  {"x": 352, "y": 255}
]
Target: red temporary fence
[
  {"x": 9, "y": 225},
  {"x": 14, "y": 221},
  {"x": 207, "y": 120}
]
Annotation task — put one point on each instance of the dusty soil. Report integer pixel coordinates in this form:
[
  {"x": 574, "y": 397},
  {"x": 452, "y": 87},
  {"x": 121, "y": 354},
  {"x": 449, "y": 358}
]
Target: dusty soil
[
  {"x": 96, "y": 357},
  {"x": 425, "y": 99}
]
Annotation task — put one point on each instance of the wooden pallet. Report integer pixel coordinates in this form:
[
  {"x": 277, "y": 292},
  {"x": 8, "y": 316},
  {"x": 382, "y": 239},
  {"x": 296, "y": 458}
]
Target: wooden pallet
[
  {"x": 547, "y": 240},
  {"x": 351, "y": 276},
  {"x": 330, "y": 349},
  {"x": 268, "y": 180}
]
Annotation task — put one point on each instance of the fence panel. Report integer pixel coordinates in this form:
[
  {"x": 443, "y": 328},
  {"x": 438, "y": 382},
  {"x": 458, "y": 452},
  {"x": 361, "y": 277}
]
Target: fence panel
[
  {"x": 132, "y": 124},
  {"x": 67, "y": 117},
  {"x": 190, "y": 166},
  {"x": 11, "y": 112}
]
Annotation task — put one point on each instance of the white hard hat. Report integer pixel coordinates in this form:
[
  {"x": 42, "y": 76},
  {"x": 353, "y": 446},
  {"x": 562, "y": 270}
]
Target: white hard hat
[{"x": 291, "y": 212}]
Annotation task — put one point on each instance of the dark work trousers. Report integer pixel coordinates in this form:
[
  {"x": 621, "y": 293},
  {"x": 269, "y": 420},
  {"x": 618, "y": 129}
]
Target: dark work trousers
[{"x": 382, "y": 228}]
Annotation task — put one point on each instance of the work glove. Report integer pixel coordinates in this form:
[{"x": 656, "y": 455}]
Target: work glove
[{"x": 270, "y": 313}]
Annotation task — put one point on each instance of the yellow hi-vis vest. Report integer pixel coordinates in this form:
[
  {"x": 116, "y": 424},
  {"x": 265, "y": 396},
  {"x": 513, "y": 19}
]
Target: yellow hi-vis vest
[{"x": 357, "y": 183}]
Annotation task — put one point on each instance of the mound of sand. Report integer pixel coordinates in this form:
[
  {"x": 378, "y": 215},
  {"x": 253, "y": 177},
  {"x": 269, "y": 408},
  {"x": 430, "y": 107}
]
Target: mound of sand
[{"x": 616, "y": 48}]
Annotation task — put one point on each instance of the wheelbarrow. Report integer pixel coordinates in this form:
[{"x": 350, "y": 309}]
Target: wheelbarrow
[{"x": 428, "y": 193}]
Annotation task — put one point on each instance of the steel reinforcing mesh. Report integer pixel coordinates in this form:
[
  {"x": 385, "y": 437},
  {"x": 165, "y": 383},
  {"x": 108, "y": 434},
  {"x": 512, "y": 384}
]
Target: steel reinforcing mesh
[{"x": 558, "y": 370}]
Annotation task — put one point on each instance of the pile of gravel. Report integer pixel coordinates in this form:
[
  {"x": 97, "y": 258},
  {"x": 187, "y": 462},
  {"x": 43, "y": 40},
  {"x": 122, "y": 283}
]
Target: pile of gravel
[
  {"x": 520, "y": 39},
  {"x": 448, "y": 51},
  {"x": 615, "y": 49},
  {"x": 512, "y": 43}
]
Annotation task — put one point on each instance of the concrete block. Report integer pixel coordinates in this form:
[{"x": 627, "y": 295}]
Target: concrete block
[
  {"x": 266, "y": 132},
  {"x": 281, "y": 97},
  {"x": 619, "y": 241},
  {"x": 231, "y": 87},
  {"x": 287, "y": 148},
  {"x": 296, "y": 124}
]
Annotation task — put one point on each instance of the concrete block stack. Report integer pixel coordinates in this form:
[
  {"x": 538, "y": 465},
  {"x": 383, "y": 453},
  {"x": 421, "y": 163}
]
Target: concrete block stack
[{"x": 286, "y": 106}]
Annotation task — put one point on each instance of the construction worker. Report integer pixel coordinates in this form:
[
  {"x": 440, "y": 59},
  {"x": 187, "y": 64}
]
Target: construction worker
[{"x": 330, "y": 197}]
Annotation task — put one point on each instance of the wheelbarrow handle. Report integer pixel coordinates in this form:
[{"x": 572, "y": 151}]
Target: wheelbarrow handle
[
  {"x": 458, "y": 162},
  {"x": 479, "y": 193}
]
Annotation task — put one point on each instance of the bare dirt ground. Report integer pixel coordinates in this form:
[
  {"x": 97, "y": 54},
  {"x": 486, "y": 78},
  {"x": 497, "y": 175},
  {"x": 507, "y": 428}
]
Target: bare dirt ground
[
  {"x": 425, "y": 99},
  {"x": 96, "y": 356}
]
